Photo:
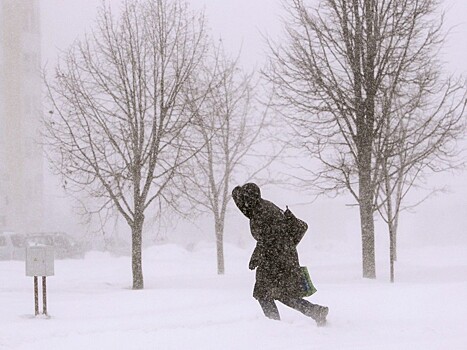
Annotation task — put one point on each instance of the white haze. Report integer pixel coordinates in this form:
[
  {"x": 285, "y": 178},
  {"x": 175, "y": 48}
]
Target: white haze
[{"x": 242, "y": 25}]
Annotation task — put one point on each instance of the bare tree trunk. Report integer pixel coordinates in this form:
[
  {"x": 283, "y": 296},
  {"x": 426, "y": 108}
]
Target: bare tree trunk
[
  {"x": 390, "y": 221},
  {"x": 366, "y": 216},
  {"x": 220, "y": 246},
  {"x": 392, "y": 249},
  {"x": 399, "y": 196},
  {"x": 368, "y": 238},
  {"x": 392, "y": 225},
  {"x": 136, "y": 252},
  {"x": 367, "y": 192},
  {"x": 394, "y": 237}
]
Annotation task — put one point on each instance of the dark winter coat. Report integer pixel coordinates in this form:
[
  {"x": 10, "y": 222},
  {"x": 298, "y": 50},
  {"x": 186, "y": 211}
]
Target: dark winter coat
[{"x": 277, "y": 234}]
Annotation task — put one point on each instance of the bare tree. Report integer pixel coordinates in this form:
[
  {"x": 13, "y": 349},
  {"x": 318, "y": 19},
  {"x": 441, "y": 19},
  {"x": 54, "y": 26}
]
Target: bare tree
[
  {"x": 343, "y": 62},
  {"x": 232, "y": 126},
  {"x": 419, "y": 141},
  {"x": 121, "y": 126}
]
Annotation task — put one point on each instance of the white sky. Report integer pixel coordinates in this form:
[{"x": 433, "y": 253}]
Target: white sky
[{"x": 239, "y": 22}]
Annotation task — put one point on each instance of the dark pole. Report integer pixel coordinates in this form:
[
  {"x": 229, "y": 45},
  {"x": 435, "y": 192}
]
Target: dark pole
[
  {"x": 44, "y": 296},
  {"x": 36, "y": 297}
]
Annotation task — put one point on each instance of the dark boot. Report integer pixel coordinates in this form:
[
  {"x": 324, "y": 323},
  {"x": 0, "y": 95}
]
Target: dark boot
[
  {"x": 270, "y": 309},
  {"x": 316, "y": 312},
  {"x": 320, "y": 315}
]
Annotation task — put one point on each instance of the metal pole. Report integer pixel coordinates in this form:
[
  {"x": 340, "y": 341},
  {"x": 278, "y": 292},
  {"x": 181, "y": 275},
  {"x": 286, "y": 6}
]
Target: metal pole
[
  {"x": 36, "y": 297},
  {"x": 44, "y": 296}
]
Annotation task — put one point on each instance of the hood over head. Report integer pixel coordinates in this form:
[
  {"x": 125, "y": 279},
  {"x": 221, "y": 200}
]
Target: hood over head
[
  {"x": 251, "y": 191},
  {"x": 247, "y": 198}
]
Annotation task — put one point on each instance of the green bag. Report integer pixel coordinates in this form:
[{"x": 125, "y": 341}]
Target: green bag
[{"x": 307, "y": 285}]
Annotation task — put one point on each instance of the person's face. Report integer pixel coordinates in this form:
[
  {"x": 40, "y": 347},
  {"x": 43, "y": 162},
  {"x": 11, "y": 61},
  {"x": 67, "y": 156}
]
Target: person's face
[{"x": 249, "y": 200}]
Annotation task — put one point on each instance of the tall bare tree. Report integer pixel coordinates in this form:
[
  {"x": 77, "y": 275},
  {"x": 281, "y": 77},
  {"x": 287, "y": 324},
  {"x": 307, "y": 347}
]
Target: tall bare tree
[
  {"x": 420, "y": 140},
  {"x": 232, "y": 126},
  {"x": 121, "y": 126},
  {"x": 342, "y": 64}
]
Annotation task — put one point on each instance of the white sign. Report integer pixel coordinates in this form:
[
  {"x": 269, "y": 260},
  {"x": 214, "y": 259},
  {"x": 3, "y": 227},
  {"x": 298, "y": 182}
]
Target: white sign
[{"x": 40, "y": 261}]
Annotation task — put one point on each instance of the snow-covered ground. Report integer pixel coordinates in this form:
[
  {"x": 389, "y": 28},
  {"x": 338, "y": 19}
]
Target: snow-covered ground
[{"x": 186, "y": 305}]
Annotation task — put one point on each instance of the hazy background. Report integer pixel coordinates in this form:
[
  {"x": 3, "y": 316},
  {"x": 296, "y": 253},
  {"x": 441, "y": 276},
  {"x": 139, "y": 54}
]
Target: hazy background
[{"x": 242, "y": 25}]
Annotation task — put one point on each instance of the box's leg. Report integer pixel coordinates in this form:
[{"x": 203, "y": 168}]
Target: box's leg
[
  {"x": 36, "y": 296},
  {"x": 44, "y": 295}
]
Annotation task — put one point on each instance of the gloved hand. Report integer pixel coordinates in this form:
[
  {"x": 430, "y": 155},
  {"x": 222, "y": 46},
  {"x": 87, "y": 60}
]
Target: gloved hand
[
  {"x": 254, "y": 259},
  {"x": 253, "y": 264}
]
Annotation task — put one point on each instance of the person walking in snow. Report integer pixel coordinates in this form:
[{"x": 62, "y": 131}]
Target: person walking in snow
[{"x": 275, "y": 257}]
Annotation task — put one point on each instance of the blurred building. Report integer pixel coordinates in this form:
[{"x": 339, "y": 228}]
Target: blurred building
[{"x": 21, "y": 156}]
